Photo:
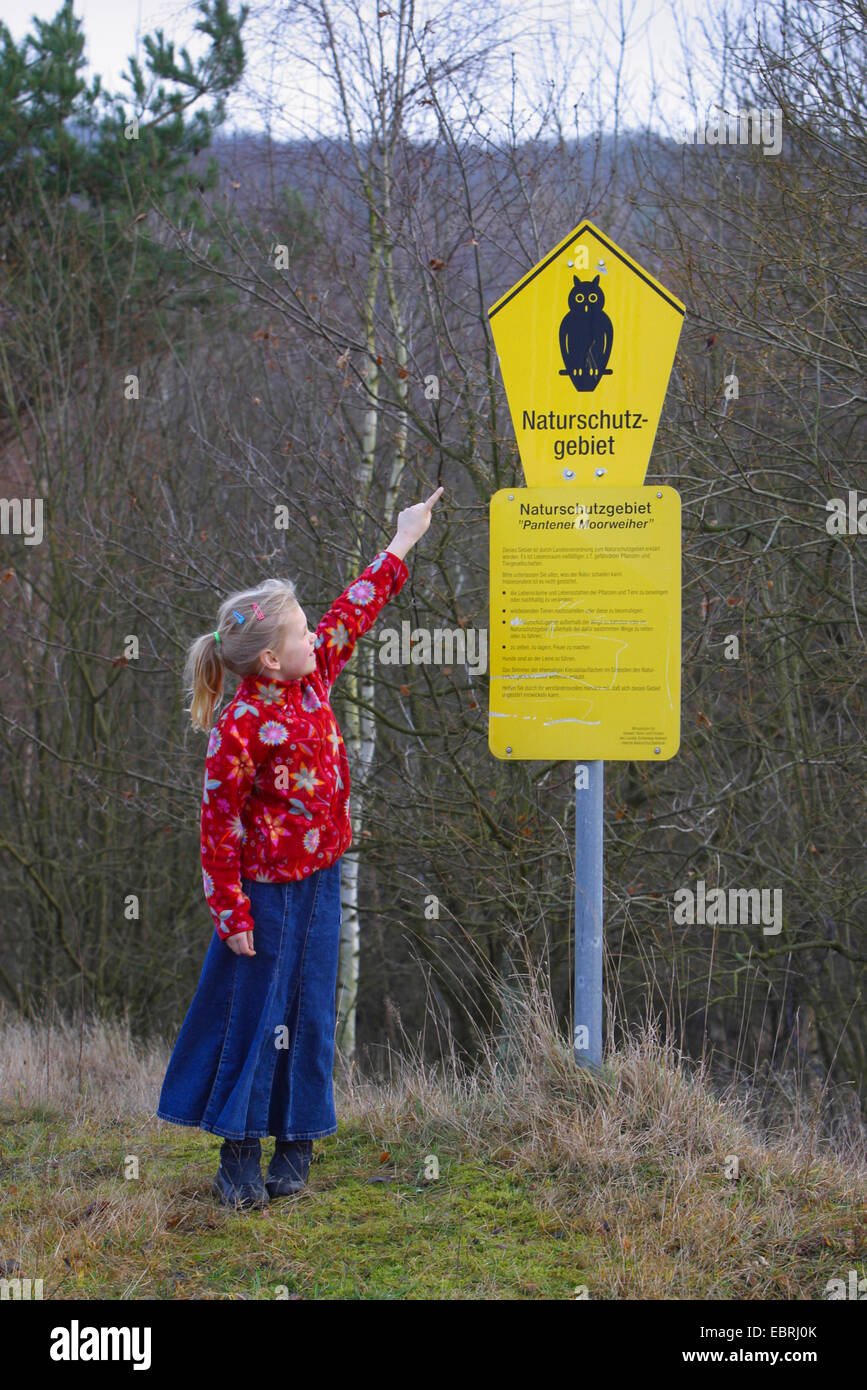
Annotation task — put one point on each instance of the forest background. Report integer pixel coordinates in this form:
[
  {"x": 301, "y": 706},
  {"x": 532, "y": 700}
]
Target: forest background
[{"x": 268, "y": 383}]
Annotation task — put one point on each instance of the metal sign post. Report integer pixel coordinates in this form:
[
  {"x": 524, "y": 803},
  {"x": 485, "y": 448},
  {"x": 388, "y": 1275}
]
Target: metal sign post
[
  {"x": 587, "y": 1032},
  {"x": 585, "y": 599}
]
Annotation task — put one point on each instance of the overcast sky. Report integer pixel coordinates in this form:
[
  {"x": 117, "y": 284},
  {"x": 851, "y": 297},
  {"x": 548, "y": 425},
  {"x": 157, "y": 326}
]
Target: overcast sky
[{"x": 576, "y": 41}]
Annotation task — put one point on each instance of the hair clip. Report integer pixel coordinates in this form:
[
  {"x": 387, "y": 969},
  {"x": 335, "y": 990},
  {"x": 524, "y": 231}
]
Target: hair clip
[
  {"x": 239, "y": 616},
  {"x": 216, "y": 636},
  {"x": 257, "y": 610}
]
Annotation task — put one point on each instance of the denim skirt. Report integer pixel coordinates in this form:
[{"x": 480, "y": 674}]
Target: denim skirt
[{"x": 255, "y": 1054}]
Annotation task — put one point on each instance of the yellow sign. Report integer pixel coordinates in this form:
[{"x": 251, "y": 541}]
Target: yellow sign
[
  {"x": 586, "y": 342},
  {"x": 585, "y": 623}
]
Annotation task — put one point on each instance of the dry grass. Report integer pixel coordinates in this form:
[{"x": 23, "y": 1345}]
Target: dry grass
[
  {"x": 637, "y": 1157},
  {"x": 613, "y": 1182}
]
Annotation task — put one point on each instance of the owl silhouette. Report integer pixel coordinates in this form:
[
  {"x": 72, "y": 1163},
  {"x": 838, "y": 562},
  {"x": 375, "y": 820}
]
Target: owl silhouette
[{"x": 586, "y": 336}]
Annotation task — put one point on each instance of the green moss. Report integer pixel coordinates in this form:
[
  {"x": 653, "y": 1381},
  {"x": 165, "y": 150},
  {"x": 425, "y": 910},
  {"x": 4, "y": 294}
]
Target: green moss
[{"x": 483, "y": 1229}]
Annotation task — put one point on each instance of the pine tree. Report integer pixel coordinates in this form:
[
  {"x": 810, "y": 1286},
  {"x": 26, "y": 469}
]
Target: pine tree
[{"x": 82, "y": 172}]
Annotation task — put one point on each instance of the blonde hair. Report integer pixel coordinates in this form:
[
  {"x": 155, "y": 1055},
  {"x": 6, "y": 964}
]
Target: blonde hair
[{"x": 239, "y": 645}]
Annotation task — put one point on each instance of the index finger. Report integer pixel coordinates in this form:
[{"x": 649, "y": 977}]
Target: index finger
[{"x": 433, "y": 497}]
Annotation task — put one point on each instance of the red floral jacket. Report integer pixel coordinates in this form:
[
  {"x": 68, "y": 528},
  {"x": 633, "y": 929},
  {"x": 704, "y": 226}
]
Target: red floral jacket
[{"x": 275, "y": 801}]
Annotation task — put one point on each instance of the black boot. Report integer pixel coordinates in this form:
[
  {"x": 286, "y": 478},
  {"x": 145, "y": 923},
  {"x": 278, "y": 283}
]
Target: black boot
[
  {"x": 239, "y": 1180},
  {"x": 288, "y": 1169}
]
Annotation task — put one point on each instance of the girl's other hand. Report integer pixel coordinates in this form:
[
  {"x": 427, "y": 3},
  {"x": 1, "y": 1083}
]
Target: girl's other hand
[{"x": 241, "y": 943}]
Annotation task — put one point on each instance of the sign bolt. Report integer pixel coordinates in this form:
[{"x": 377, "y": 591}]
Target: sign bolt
[
  {"x": 568, "y": 473},
  {"x": 656, "y": 750},
  {"x": 600, "y": 472},
  {"x": 511, "y": 496},
  {"x": 508, "y": 750},
  {"x": 659, "y": 494}
]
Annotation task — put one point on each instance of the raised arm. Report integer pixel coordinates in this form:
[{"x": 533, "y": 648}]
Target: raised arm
[
  {"x": 358, "y": 606},
  {"x": 355, "y": 611}
]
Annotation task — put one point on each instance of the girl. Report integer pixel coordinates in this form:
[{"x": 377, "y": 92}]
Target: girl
[{"x": 256, "y": 1050}]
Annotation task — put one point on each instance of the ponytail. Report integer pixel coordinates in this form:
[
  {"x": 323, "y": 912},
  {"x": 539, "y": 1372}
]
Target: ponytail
[{"x": 203, "y": 680}]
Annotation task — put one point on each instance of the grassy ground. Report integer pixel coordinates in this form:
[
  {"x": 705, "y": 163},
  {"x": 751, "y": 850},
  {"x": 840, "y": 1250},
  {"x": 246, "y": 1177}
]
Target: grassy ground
[{"x": 551, "y": 1184}]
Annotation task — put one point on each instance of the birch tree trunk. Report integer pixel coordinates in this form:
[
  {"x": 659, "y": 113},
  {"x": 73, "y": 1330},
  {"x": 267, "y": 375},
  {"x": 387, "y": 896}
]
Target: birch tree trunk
[
  {"x": 381, "y": 67},
  {"x": 361, "y": 680},
  {"x": 360, "y": 735}
]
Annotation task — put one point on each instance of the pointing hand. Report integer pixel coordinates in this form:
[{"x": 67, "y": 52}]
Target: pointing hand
[{"x": 412, "y": 523}]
